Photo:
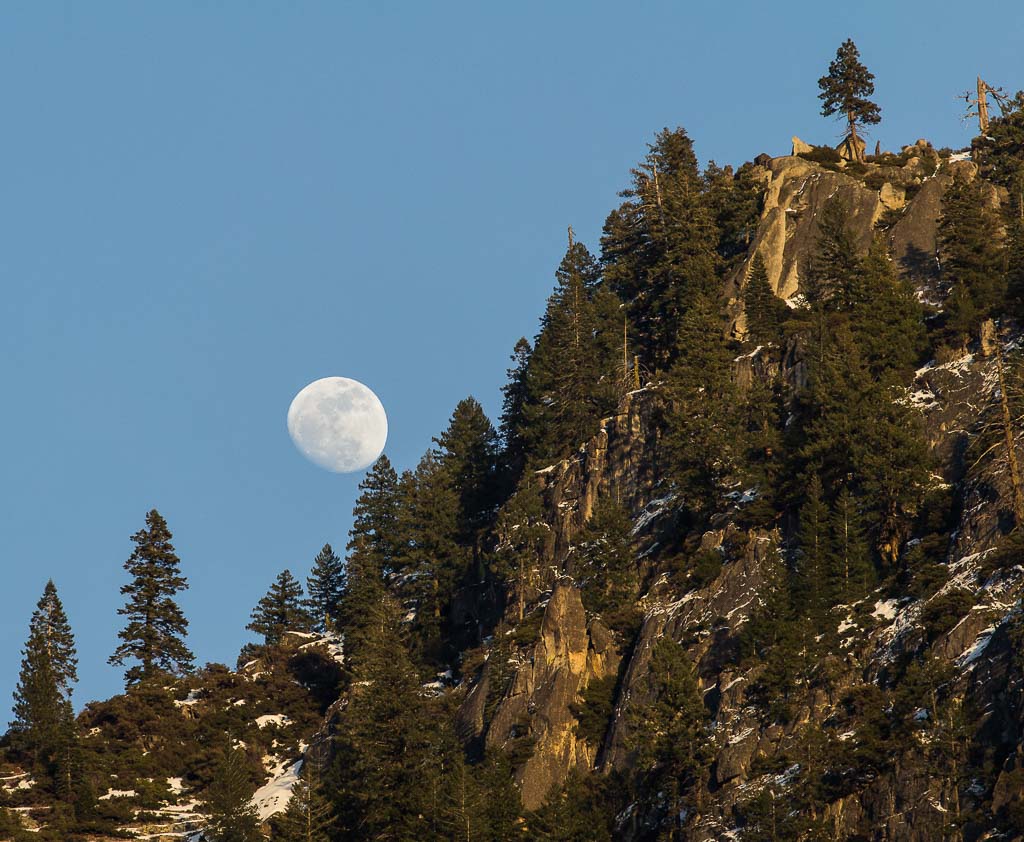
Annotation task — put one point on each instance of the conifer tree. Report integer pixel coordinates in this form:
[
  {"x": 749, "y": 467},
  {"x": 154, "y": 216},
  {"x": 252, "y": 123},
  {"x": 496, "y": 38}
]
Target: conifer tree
[
  {"x": 832, "y": 278},
  {"x": 43, "y": 724},
  {"x": 156, "y": 629},
  {"x": 309, "y": 816},
  {"x": 735, "y": 201},
  {"x": 469, "y": 452},
  {"x": 815, "y": 562},
  {"x": 373, "y": 549},
  {"x": 854, "y": 572},
  {"x": 853, "y": 429},
  {"x": 521, "y": 533},
  {"x": 887, "y": 320},
  {"x": 564, "y": 394},
  {"x": 325, "y": 586},
  {"x": 280, "y": 610},
  {"x": 659, "y": 247},
  {"x": 383, "y": 744},
  {"x": 971, "y": 257},
  {"x": 845, "y": 91},
  {"x": 604, "y": 561},
  {"x": 228, "y": 803},
  {"x": 376, "y": 514},
  {"x": 765, "y": 312},
  {"x": 514, "y": 396},
  {"x": 674, "y": 748},
  {"x": 434, "y": 557},
  {"x": 704, "y": 436}
]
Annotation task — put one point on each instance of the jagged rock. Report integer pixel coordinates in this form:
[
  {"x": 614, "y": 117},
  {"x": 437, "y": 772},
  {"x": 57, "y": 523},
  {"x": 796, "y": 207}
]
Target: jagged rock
[
  {"x": 801, "y": 148},
  {"x": 793, "y": 199},
  {"x": 618, "y": 461},
  {"x": 565, "y": 659},
  {"x": 734, "y": 759},
  {"x": 987, "y": 338},
  {"x": 894, "y": 198}
]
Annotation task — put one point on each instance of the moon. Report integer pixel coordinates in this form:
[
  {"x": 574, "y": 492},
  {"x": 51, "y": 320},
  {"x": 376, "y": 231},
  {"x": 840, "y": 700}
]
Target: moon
[{"x": 338, "y": 424}]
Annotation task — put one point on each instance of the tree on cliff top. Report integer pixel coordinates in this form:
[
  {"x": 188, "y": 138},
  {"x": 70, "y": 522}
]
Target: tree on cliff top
[
  {"x": 845, "y": 91},
  {"x": 155, "y": 633}
]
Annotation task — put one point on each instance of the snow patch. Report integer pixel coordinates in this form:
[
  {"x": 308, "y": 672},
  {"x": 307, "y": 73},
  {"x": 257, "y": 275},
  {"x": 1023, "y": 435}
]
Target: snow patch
[
  {"x": 885, "y": 609},
  {"x": 278, "y": 719},
  {"x": 117, "y": 793},
  {"x": 273, "y": 796}
]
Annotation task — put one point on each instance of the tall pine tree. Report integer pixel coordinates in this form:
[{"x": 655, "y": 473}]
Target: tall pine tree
[
  {"x": 324, "y": 586},
  {"x": 845, "y": 91},
  {"x": 569, "y": 378},
  {"x": 228, "y": 802},
  {"x": 154, "y": 636},
  {"x": 374, "y": 549},
  {"x": 469, "y": 452},
  {"x": 971, "y": 257},
  {"x": 765, "y": 312},
  {"x": 280, "y": 610},
  {"x": 43, "y": 725}
]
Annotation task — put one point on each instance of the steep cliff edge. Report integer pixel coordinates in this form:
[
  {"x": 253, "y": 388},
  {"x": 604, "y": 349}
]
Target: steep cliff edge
[{"x": 963, "y": 620}]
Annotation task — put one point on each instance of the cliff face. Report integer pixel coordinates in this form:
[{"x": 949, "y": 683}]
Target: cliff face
[
  {"x": 979, "y": 601},
  {"x": 906, "y": 199}
]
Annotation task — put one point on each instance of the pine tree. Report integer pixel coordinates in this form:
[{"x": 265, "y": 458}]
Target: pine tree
[
  {"x": 833, "y": 273},
  {"x": 521, "y": 536},
  {"x": 433, "y": 556},
  {"x": 374, "y": 548},
  {"x": 43, "y": 726},
  {"x": 154, "y": 635},
  {"x": 376, "y": 515},
  {"x": 674, "y": 748},
  {"x": 854, "y": 573},
  {"x": 735, "y": 201},
  {"x": 704, "y": 435},
  {"x": 604, "y": 562},
  {"x": 815, "y": 563},
  {"x": 469, "y": 452},
  {"x": 228, "y": 803},
  {"x": 887, "y": 320},
  {"x": 853, "y": 429},
  {"x": 971, "y": 255},
  {"x": 514, "y": 396},
  {"x": 309, "y": 816},
  {"x": 845, "y": 91},
  {"x": 659, "y": 248},
  {"x": 280, "y": 610},
  {"x": 565, "y": 397},
  {"x": 325, "y": 585},
  {"x": 382, "y": 744},
  {"x": 765, "y": 312}
]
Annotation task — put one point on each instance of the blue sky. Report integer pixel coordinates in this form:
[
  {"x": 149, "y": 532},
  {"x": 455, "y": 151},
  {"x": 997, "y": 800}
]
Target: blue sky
[{"x": 206, "y": 206}]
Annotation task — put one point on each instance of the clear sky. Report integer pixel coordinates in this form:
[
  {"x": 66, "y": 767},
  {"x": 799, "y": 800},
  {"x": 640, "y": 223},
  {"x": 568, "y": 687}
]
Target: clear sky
[{"x": 206, "y": 206}]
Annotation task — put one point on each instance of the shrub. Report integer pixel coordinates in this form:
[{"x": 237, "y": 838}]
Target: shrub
[
  {"x": 945, "y": 611},
  {"x": 822, "y": 155},
  {"x": 596, "y": 710}
]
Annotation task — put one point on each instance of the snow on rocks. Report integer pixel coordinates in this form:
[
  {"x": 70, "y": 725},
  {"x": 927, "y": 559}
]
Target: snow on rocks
[
  {"x": 333, "y": 643},
  {"x": 651, "y": 511},
  {"x": 117, "y": 793},
  {"x": 886, "y": 609},
  {"x": 976, "y": 649},
  {"x": 278, "y": 719},
  {"x": 191, "y": 699},
  {"x": 273, "y": 796}
]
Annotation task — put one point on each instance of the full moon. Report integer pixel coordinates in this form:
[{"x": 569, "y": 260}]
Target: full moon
[{"x": 338, "y": 424}]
